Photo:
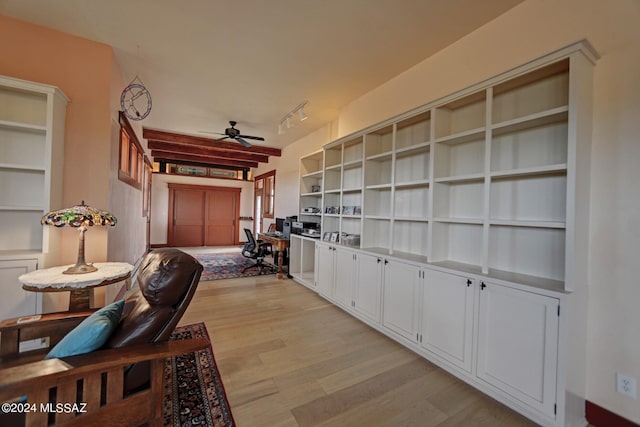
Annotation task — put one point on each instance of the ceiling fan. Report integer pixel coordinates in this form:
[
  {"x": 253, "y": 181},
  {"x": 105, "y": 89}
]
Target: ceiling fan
[{"x": 233, "y": 133}]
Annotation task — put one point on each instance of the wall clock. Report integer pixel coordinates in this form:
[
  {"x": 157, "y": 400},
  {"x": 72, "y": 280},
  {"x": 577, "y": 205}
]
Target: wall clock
[{"x": 135, "y": 101}]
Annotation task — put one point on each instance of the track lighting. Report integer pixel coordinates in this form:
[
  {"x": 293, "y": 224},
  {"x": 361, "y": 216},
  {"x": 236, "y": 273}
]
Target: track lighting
[{"x": 288, "y": 119}]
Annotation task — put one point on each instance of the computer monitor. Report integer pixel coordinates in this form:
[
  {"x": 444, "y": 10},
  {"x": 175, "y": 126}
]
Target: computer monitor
[{"x": 280, "y": 225}]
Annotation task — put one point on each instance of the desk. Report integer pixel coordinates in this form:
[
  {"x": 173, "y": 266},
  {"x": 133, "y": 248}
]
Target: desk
[
  {"x": 280, "y": 244},
  {"x": 52, "y": 280}
]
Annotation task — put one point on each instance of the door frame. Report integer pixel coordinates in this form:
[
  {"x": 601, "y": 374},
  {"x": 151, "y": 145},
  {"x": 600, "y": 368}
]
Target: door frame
[
  {"x": 204, "y": 188},
  {"x": 266, "y": 193}
]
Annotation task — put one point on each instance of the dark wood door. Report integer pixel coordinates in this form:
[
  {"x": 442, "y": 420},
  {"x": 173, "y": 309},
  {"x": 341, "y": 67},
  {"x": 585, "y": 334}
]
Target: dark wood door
[
  {"x": 221, "y": 217},
  {"x": 203, "y": 216},
  {"x": 188, "y": 218}
]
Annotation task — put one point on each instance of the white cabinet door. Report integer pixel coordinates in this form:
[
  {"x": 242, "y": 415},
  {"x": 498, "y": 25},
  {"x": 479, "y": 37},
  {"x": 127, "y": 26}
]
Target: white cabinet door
[
  {"x": 324, "y": 269},
  {"x": 518, "y": 344},
  {"x": 369, "y": 286},
  {"x": 345, "y": 276},
  {"x": 401, "y": 286},
  {"x": 447, "y": 317},
  {"x": 15, "y": 301}
]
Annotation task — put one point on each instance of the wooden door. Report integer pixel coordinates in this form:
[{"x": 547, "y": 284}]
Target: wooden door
[
  {"x": 221, "y": 213},
  {"x": 203, "y": 216},
  {"x": 187, "y": 225}
]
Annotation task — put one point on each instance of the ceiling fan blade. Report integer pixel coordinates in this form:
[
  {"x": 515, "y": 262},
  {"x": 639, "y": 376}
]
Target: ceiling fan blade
[
  {"x": 257, "y": 138},
  {"x": 242, "y": 141},
  {"x": 221, "y": 139}
]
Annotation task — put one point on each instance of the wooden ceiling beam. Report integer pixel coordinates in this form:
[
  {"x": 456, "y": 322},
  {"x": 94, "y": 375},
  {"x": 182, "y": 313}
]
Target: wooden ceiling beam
[
  {"x": 206, "y": 151},
  {"x": 160, "y": 135},
  {"x": 208, "y": 160}
]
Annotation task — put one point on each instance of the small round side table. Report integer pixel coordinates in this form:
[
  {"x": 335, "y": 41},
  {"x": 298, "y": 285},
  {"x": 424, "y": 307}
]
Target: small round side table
[{"x": 52, "y": 280}]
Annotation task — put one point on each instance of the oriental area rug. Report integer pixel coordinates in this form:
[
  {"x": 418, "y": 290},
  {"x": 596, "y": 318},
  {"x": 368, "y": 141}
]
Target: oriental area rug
[
  {"x": 225, "y": 266},
  {"x": 193, "y": 391}
]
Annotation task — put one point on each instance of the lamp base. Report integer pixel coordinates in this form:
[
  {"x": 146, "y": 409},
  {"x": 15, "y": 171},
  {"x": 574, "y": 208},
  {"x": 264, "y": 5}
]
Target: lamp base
[{"x": 80, "y": 269}]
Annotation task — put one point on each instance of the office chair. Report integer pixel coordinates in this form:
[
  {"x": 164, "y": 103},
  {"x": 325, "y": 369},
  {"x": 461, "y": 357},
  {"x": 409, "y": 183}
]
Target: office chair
[{"x": 256, "y": 250}]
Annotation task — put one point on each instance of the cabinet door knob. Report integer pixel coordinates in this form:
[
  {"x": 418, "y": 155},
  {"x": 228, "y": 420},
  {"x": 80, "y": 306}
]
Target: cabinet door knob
[
  {"x": 482, "y": 285},
  {"x": 386, "y": 261},
  {"x": 379, "y": 260},
  {"x": 468, "y": 282}
]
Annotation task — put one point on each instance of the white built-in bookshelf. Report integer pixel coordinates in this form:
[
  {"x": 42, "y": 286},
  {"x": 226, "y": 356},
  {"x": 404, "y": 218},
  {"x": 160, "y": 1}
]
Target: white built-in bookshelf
[
  {"x": 32, "y": 123},
  {"x": 481, "y": 180},
  {"x": 473, "y": 216}
]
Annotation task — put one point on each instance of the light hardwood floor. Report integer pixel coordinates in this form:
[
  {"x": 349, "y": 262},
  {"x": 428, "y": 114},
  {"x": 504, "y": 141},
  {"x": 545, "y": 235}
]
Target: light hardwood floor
[{"x": 290, "y": 358}]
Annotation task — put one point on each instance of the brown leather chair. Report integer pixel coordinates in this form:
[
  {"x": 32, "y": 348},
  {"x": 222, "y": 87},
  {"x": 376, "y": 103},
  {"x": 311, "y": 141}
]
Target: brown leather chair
[
  {"x": 167, "y": 280},
  {"x": 131, "y": 391}
]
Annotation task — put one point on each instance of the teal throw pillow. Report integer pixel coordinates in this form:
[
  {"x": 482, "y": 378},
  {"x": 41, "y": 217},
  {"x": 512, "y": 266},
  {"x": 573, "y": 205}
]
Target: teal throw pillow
[{"x": 91, "y": 334}]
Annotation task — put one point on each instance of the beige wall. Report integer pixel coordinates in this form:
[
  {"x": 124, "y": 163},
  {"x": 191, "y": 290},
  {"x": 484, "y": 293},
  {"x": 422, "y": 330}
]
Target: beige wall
[
  {"x": 286, "y": 166},
  {"x": 88, "y": 74},
  {"x": 530, "y": 30}
]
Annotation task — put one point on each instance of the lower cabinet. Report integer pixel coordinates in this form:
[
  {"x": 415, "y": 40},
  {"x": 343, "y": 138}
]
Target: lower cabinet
[
  {"x": 446, "y": 327},
  {"x": 402, "y": 284},
  {"x": 518, "y": 344},
  {"x": 368, "y": 292},
  {"x": 15, "y": 301},
  {"x": 324, "y": 271},
  {"x": 345, "y": 271},
  {"x": 502, "y": 339}
]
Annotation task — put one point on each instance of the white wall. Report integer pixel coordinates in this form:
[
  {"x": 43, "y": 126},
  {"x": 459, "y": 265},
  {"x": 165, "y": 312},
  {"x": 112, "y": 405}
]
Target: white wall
[
  {"x": 526, "y": 32},
  {"x": 160, "y": 201},
  {"x": 287, "y": 167}
]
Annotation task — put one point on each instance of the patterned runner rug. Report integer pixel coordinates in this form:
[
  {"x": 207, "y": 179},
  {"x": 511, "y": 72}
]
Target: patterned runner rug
[
  {"x": 225, "y": 266},
  {"x": 193, "y": 391}
]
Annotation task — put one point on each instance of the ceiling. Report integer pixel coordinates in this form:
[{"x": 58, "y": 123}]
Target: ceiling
[{"x": 206, "y": 62}]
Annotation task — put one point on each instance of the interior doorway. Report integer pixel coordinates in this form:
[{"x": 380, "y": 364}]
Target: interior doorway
[{"x": 203, "y": 215}]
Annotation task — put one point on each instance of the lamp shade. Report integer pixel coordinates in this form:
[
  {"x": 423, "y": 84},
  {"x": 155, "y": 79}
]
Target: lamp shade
[{"x": 80, "y": 216}]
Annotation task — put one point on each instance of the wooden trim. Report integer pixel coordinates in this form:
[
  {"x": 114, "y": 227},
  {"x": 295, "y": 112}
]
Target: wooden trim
[
  {"x": 131, "y": 176},
  {"x": 169, "y": 147},
  {"x": 190, "y": 140},
  {"x": 601, "y": 417},
  {"x": 205, "y": 160}
]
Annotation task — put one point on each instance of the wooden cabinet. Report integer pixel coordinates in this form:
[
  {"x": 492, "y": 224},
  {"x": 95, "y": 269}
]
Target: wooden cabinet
[
  {"x": 325, "y": 269},
  {"x": 345, "y": 276},
  {"x": 446, "y": 327},
  {"x": 15, "y": 301},
  {"x": 518, "y": 345},
  {"x": 402, "y": 284},
  {"x": 477, "y": 203},
  {"x": 32, "y": 119}
]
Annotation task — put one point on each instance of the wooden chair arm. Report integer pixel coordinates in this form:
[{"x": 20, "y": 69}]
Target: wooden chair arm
[
  {"x": 53, "y": 326},
  {"x": 93, "y": 385},
  {"x": 20, "y": 380}
]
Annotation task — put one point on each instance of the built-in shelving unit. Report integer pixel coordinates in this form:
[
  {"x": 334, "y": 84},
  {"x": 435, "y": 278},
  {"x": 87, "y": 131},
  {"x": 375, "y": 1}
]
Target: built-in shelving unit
[
  {"x": 480, "y": 178},
  {"x": 32, "y": 120},
  {"x": 474, "y": 226}
]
